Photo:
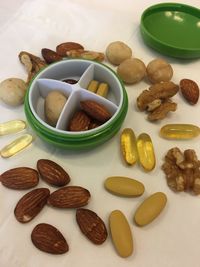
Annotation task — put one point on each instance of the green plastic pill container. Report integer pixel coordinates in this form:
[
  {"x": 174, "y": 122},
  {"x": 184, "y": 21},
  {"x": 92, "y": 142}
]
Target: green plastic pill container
[{"x": 52, "y": 78}]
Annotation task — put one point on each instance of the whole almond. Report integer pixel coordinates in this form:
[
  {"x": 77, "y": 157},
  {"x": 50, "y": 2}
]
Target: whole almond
[
  {"x": 31, "y": 204},
  {"x": 79, "y": 122},
  {"x": 20, "y": 178},
  {"x": 69, "y": 197},
  {"x": 49, "y": 239},
  {"x": 91, "y": 226},
  {"x": 189, "y": 90},
  {"x": 95, "y": 110},
  {"x": 63, "y": 48},
  {"x": 52, "y": 173},
  {"x": 50, "y": 56}
]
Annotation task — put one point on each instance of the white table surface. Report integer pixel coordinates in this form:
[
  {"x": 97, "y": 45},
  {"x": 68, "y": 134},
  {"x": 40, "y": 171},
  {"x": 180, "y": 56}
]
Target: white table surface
[{"x": 173, "y": 239}]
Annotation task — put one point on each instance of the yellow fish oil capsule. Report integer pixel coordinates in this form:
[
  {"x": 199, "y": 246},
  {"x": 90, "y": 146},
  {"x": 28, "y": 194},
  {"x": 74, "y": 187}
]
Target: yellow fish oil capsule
[
  {"x": 11, "y": 127},
  {"x": 121, "y": 233},
  {"x": 16, "y": 146},
  {"x": 102, "y": 89},
  {"x": 93, "y": 85},
  {"x": 128, "y": 146},
  {"x": 179, "y": 131},
  {"x": 150, "y": 208},
  {"x": 146, "y": 152}
]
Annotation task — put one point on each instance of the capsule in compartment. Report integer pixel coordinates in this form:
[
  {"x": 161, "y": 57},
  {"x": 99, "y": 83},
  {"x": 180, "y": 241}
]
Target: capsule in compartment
[
  {"x": 93, "y": 86},
  {"x": 13, "y": 126},
  {"x": 128, "y": 146},
  {"x": 146, "y": 153},
  {"x": 16, "y": 146},
  {"x": 179, "y": 131},
  {"x": 102, "y": 90}
]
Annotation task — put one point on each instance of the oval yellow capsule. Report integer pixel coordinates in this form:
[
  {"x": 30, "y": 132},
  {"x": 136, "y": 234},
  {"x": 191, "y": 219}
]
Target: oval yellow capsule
[
  {"x": 146, "y": 152},
  {"x": 16, "y": 146},
  {"x": 128, "y": 146},
  {"x": 179, "y": 131},
  {"x": 121, "y": 233},
  {"x": 124, "y": 186},
  {"x": 150, "y": 208},
  {"x": 13, "y": 126}
]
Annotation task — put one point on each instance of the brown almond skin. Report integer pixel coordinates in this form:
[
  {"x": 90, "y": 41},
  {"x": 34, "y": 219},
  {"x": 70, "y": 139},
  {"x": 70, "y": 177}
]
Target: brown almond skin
[
  {"x": 79, "y": 121},
  {"x": 52, "y": 173},
  {"x": 63, "y": 48},
  {"x": 20, "y": 178},
  {"x": 69, "y": 197},
  {"x": 91, "y": 225},
  {"x": 31, "y": 204},
  {"x": 95, "y": 110},
  {"x": 49, "y": 239},
  {"x": 190, "y": 91},
  {"x": 50, "y": 56}
]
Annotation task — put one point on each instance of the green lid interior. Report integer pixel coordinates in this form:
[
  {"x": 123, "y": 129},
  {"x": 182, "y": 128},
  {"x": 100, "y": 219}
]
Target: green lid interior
[{"x": 172, "y": 29}]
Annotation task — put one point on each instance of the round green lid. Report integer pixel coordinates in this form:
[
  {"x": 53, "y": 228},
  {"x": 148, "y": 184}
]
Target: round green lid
[{"x": 172, "y": 29}]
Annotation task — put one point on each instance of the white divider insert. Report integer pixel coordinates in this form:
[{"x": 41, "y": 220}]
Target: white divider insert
[
  {"x": 77, "y": 93},
  {"x": 87, "y": 76}
]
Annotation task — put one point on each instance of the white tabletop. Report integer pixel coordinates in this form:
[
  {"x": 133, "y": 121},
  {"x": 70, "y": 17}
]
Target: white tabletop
[{"x": 173, "y": 239}]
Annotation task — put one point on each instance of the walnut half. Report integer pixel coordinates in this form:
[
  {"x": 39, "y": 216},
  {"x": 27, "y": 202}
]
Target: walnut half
[
  {"x": 157, "y": 100},
  {"x": 182, "y": 170}
]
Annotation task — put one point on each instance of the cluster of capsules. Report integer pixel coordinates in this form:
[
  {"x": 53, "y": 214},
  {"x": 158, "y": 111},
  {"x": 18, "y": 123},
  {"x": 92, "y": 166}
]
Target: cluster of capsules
[
  {"x": 137, "y": 149},
  {"x": 141, "y": 148},
  {"x": 12, "y": 127}
]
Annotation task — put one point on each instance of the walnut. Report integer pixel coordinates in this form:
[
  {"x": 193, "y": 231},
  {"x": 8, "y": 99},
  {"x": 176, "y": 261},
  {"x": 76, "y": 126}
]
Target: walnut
[
  {"x": 32, "y": 64},
  {"x": 182, "y": 170},
  {"x": 161, "y": 112},
  {"x": 156, "y": 100}
]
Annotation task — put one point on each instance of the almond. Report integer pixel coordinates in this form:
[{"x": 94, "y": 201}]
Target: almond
[
  {"x": 91, "y": 226},
  {"x": 69, "y": 197},
  {"x": 20, "y": 178},
  {"x": 31, "y": 204},
  {"x": 95, "y": 110},
  {"x": 189, "y": 90},
  {"x": 52, "y": 173},
  {"x": 79, "y": 122},
  {"x": 49, "y": 239},
  {"x": 50, "y": 56},
  {"x": 63, "y": 48}
]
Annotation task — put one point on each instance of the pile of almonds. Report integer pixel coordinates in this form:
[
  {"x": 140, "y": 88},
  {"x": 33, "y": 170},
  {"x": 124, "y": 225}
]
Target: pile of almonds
[
  {"x": 44, "y": 236},
  {"x": 91, "y": 115}
]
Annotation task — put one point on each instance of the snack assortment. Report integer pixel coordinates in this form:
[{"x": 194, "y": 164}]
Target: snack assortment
[{"x": 84, "y": 101}]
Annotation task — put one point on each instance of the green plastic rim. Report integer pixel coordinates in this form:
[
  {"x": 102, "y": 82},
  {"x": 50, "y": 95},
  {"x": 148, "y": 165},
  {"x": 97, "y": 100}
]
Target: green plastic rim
[
  {"x": 172, "y": 29},
  {"x": 88, "y": 139}
]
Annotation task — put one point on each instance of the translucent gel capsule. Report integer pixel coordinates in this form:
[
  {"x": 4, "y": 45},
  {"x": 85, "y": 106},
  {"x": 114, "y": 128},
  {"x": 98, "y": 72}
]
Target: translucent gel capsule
[
  {"x": 16, "y": 146},
  {"x": 128, "y": 146},
  {"x": 179, "y": 131},
  {"x": 13, "y": 126},
  {"x": 146, "y": 152}
]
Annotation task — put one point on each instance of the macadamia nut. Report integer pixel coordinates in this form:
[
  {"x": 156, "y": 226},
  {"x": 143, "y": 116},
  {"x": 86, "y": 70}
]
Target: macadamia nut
[
  {"x": 12, "y": 91},
  {"x": 54, "y": 103},
  {"x": 117, "y": 52},
  {"x": 159, "y": 70},
  {"x": 131, "y": 70}
]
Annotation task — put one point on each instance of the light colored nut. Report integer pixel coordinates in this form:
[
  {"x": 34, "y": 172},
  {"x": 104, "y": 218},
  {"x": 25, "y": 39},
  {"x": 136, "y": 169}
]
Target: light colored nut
[
  {"x": 12, "y": 91},
  {"x": 117, "y": 52},
  {"x": 158, "y": 70},
  {"x": 54, "y": 103},
  {"x": 131, "y": 70}
]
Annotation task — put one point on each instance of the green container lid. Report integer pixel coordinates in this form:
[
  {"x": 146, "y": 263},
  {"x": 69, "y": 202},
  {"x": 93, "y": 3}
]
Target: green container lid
[{"x": 172, "y": 29}]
